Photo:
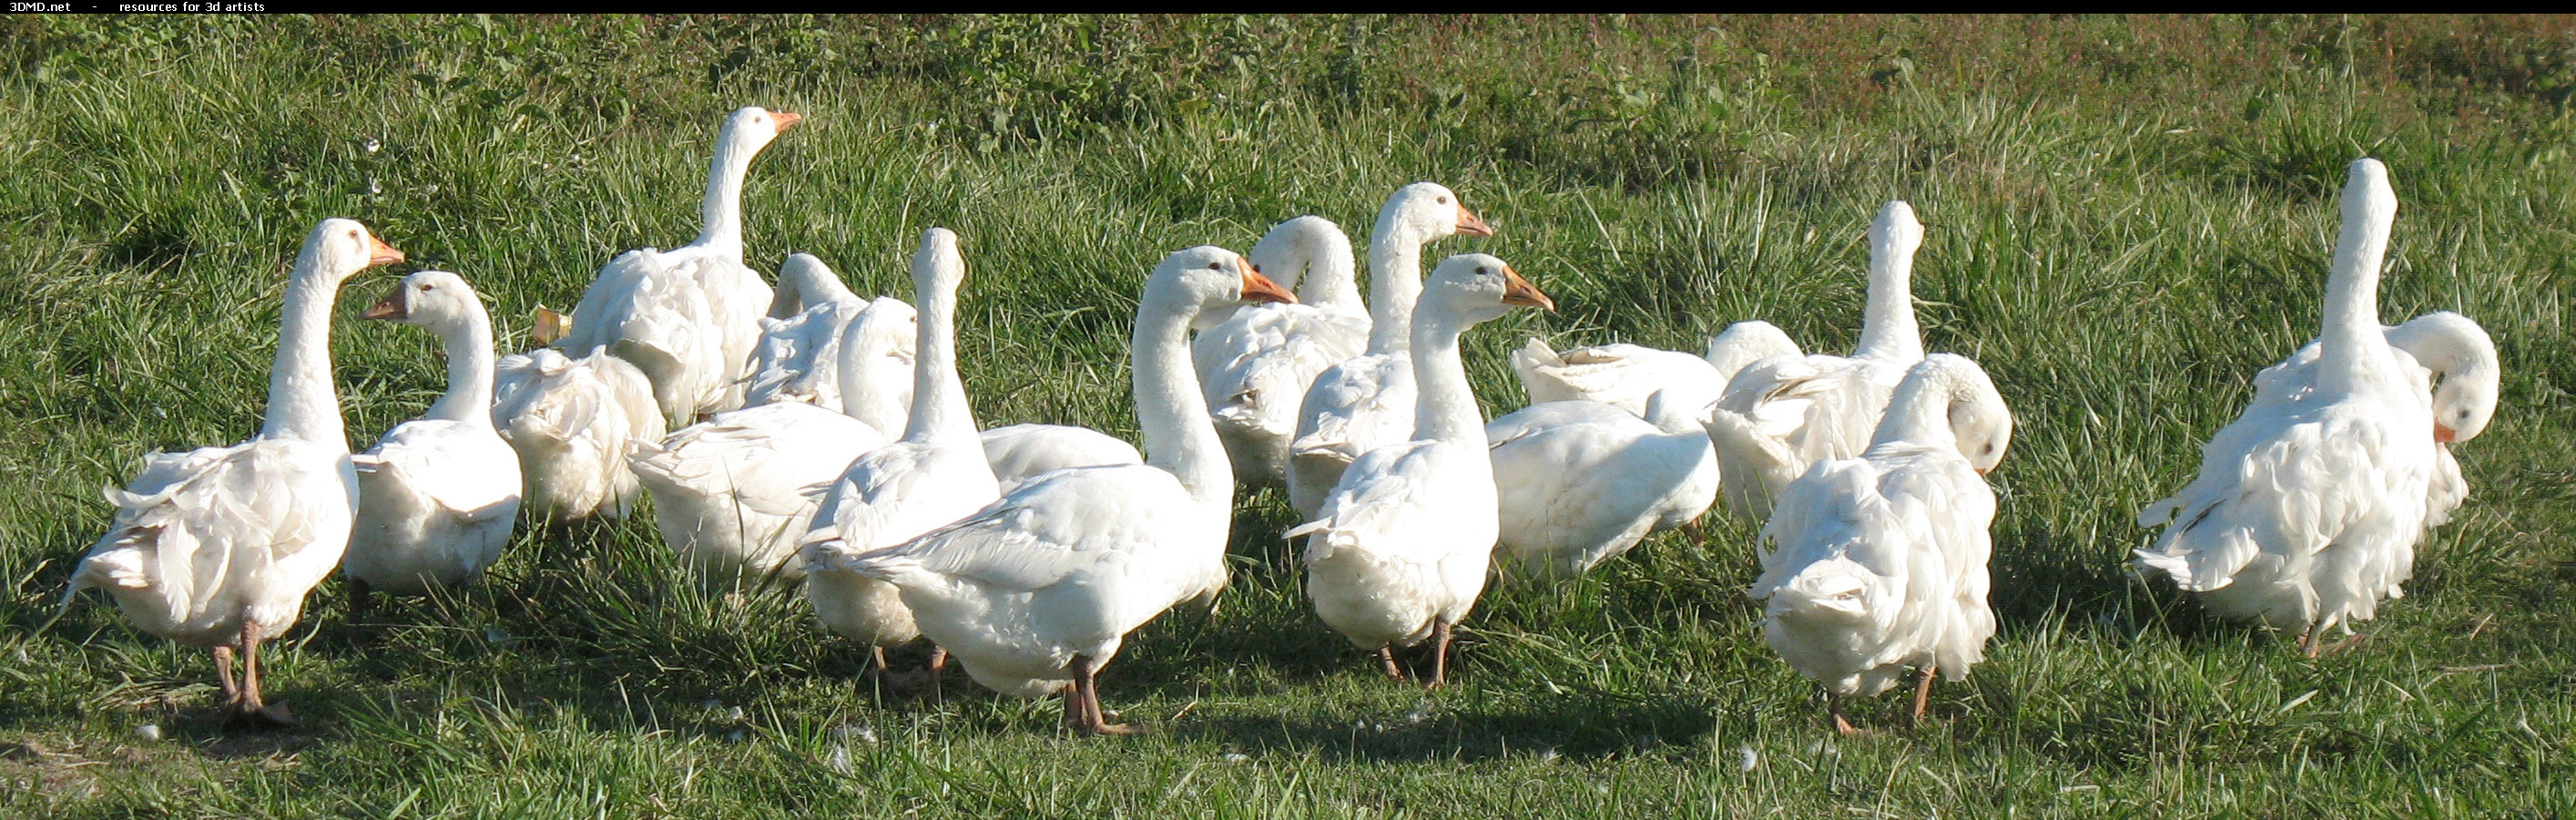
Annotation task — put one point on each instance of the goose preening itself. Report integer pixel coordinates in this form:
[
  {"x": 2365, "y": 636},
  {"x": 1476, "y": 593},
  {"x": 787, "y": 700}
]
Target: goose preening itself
[
  {"x": 1364, "y": 403},
  {"x": 1021, "y": 452},
  {"x": 217, "y": 547},
  {"x": 1581, "y": 482},
  {"x": 569, "y": 419},
  {"x": 1783, "y": 413},
  {"x": 1038, "y": 590},
  {"x": 2456, "y": 361},
  {"x": 2306, "y": 511},
  {"x": 933, "y": 476},
  {"x": 1256, "y": 365},
  {"x": 1878, "y": 563},
  {"x": 689, "y": 317},
  {"x": 1398, "y": 552},
  {"x": 438, "y": 495},
  {"x": 800, "y": 341}
]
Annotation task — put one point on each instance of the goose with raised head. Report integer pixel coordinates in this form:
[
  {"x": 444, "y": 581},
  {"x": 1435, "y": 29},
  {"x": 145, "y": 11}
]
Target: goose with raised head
[
  {"x": 1256, "y": 365},
  {"x": 2306, "y": 512},
  {"x": 1878, "y": 563},
  {"x": 216, "y": 547},
  {"x": 1037, "y": 591},
  {"x": 1581, "y": 482},
  {"x": 1021, "y": 452},
  {"x": 934, "y": 475},
  {"x": 1398, "y": 552},
  {"x": 1783, "y": 413},
  {"x": 689, "y": 317},
  {"x": 569, "y": 420},
  {"x": 1367, "y": 402},
  {"x": 800, "y": 340},
  {"x": 439, "y": 495}
]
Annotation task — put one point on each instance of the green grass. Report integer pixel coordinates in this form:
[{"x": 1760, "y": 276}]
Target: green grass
[{"x": 2126, "y": 219}]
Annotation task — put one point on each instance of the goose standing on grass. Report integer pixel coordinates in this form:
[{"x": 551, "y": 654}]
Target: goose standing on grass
[
  {"x": 1038, "y": 590},
  {"x": 689, "y": 317},
  {"x": 217, "y": 547},
  {"x": 2457, "y": 363},
  {"x": 800, "y": 340},
  {"x": 438, "y": 495},
  {"x": 1257, "y": 364},
  {"x": 1786, "y": 412},
  {"x": 1399, "y": 551},
  {"x": 932, "y": 477},
  {"x": 1878, "y": 563},
  {"x": 1364, "y": 403},
  {"x": 1581, "y": 482},
  {"x": 569, "y": 420},
  {"x": 733, "y": 494},
  {"x": 2306, "y": 513}
]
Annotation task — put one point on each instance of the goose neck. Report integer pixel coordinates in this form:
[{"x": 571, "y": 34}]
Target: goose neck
[
  {"x": 1331, "y": 280},
  {"x": 1444, "y": 403},
  {"x": 2352, "y": 342},
  {"x": 1395, "y": 284},
  {"x": 1179, "y": 438},
  {"x": 1887, "y": 328},
  {"x": 939, "y": 404},
  {"x": 1919, "y": 412},
  {"x": 721, "y": 210},
  {"x": 303, "y": 403},
  {"x": 468, "y": 343}
]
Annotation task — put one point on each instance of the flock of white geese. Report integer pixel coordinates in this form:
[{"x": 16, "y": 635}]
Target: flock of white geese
[{"x": 808, "y": 435}]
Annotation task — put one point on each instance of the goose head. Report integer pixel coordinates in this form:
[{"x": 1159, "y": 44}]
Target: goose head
[
  {"x": 1896, "y": 234},
  {"x": 430, "y": 298},
  {"x": 752, "y": 126},
  {"x": 1430, "y": 211},
  {"x": 803, "y": 282},
  {"x": 338, "y": 248},
  {"x": 2465, "y": 368},
  {"x": 1475, "y": 287},
  {"x": 1979, "y": 421},
  {"x": 937, "y": 265},
  {"x": 1209, "y": 281}
]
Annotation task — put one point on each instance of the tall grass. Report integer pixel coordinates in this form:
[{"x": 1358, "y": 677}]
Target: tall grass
[{"x": 2126, "y": 218}]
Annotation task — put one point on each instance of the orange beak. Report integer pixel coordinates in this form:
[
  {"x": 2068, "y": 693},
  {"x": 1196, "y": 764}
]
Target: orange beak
[
  {"x": 548, "y": 326},
  {"x": 2444, "y": 434},
  {"x": 1471, "y": 224},
  {"x": 787, "y": 119},
  {"x": 392, "y": 306},
  {"x": 379, "y": 253},
  {"x": 1259, "y": 288},
  {"x": 1518, "y": 291}
]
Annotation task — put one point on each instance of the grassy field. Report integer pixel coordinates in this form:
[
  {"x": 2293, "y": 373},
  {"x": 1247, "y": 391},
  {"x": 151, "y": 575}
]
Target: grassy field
[{"x": 2126, "y": 219}]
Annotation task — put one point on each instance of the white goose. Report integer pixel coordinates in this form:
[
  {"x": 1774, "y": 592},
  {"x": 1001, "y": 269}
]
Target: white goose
[
  {"x": 689, "y": 317},
  {"x": 1581, "y": 481},
  {"x": 1364, "y": 403},
  {"x": 2306, "y": 513},
  {"x": 1038, "y": 590},
  {"x": 875, "y": 371},
  {"x": 1257, "y": 364},
  {"x": 569, "y": 419},
  {"x": 1021, "y": 452},
  {"x": 1619, "y": 375},
  {"x": 1783, "y": 413},
  {"x": 800, "y": 340},
  {"x": 1399, "y": 551},
  {"x": 1878, "y": 563},
  {"x": 216, "y": 547},
  {"x": 934, "y": 476},
  {"x": 2455, "y": 359},
  {"x": 733, "y": 494},
  {"x": 438, "y": 495}
]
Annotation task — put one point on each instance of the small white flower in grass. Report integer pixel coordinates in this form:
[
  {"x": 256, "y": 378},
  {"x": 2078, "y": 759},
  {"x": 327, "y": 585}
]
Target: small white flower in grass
[
  {"x": 736, "y": 716},
  {"x": 373, "y": 146},
  {"x": 374, "y": 187},
  {"x": 840, "y": 760},
  {"x": 148, "y": 731},
  {"x": 1235, "y": 757},
  {"x": 1746, "y": 759}
]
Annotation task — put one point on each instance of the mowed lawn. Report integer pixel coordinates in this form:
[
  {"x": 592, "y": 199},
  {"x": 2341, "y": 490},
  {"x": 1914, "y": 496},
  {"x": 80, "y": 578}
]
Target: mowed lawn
[{"x": 2126, "y": 219}]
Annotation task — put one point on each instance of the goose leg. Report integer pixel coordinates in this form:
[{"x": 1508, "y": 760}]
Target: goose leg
[
  {"x": 1834, "y": 708},
  {"x": 1085, "y": 703},
  {"x": 1440, "y": 636},
  {"x": 876, "y": 663},
  {"x": 1698, "y": 535},
  {"x": 2308, "y": 642},
  {"x": 362, "y": 599},
  {"x": 1386, "y": 663},
  {"x": 254, "y": 709},
  {"x": 938, "y": 669},
  {"x": 224, "y": 676},
  {"x": 1922, "y": 695}
]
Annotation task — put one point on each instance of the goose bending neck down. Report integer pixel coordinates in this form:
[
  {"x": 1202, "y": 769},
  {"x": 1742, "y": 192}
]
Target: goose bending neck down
[
  {"x": 1366, "y": 402},
  {"x": 217, "y": 547},
  {"x": 932, "y": 477},
  {"x": 2307, "y": 508},
  {"x": 1399, "y": 551},
  {"x": 439, "y": 495},
  {"x": 1038, "y": 590},
  {"x": 1878, "y": 563}
]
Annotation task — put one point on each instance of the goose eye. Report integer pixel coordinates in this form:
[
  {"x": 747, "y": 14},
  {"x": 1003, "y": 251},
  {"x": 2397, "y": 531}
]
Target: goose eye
[
  {"x": 1481, "y": 271},
  {"x": 428, "y": 288},
  {"x": 1216, "y": 266},
  {"x": 1442, "y": 200}
]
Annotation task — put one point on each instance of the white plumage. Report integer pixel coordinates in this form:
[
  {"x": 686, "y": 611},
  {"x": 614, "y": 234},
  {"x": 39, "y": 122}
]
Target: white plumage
[
  {"x": 1878, "y": 563},
  {"x": 1039, "y": 589},
  {"x": 1256, "y": 365},
  {"x": 1367, "y": 402},
  {"x": 2306, "y": 511},
  {"x": 569, "y": 420},
  {"x": 438, "y": 495},
  {"x": 733, "y": 494},
  {"x": 1399, "y": 550},
  {"x": 2442, "y": 352},
  {"x": 1580, "y": 482},
  {"x": 1783, "y": 413},
  {"x": 217, "y": 547},
  {"x": 799, "y": 356},
  {"x": 689, "y": 317},
  {"x": 1619, "y": 375},
  {"x": 1021, "y": 452}
]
